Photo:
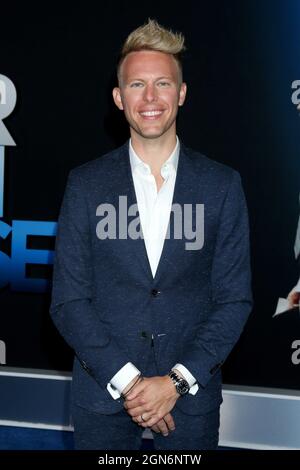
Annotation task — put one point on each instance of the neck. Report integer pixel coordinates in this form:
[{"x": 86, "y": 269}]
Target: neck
[{"x": 154, "y": 152}]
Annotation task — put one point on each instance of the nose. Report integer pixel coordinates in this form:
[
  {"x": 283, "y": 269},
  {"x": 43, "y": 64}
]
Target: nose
[{"x": 150, "y": 93}]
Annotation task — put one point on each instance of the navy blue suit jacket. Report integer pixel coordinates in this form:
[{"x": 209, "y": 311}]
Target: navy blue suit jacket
[{"x": 107, "y": 305}]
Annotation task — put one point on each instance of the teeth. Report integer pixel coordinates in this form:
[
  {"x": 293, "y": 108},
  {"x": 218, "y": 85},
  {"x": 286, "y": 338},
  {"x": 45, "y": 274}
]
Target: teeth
[{"x": 151, "y": 113}]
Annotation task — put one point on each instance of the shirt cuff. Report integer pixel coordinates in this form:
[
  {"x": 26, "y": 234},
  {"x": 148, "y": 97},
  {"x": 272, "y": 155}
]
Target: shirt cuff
[
  {"x": 121, "y": 379},
  {"x": 188, "y": 377}
]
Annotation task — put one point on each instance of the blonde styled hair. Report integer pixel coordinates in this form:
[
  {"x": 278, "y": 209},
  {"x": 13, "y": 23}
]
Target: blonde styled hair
[{"x": 153, "y": 37}]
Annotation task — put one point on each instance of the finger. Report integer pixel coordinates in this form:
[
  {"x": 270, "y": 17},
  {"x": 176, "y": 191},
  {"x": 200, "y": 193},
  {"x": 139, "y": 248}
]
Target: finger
[
  {"x": 168, "y": 419},
  {"x": 150, "y": 421},
  {"x": 163, "y": 428},
  {"x": 155, "y": 428},
  {"x": 136, "y": 412},
  {"x": 137, "y": 420},
  {"x": 134, "y": 403},
  {"x": 137, "y": 390}
]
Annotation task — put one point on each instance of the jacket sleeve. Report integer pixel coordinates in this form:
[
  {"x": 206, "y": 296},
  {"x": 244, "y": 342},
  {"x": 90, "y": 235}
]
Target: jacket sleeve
[
  {"x": 72, "y": 308},
  {"x": 230, "y": 290}
]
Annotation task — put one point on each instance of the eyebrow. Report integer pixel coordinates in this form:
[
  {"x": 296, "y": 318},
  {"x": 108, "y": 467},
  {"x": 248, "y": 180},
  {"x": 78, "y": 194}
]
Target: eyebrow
[{"x": 142, "y": 80}]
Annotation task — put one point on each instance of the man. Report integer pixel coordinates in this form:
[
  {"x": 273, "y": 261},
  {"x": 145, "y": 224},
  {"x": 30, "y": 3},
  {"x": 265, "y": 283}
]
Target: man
[
  {"x": 151, "y": 319},
  {"x": 294, "y": 295}
]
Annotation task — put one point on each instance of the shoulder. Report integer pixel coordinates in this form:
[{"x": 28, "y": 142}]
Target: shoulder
[
  {"x": 212, "y": 170},
  {"x": 101, "y": 166}
]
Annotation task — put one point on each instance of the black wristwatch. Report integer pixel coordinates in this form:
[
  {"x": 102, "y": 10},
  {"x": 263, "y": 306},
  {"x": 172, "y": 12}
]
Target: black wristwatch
[{"x": 181, "y": 385}]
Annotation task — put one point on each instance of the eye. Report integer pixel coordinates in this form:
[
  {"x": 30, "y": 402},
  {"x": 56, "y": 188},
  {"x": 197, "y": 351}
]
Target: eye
[
  {"x": 136, "y": 85},
  {"x": 163, "y": 84}
]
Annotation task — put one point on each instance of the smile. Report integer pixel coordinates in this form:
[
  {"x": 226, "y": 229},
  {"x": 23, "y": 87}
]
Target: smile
[{"x": 151, "y": 113}]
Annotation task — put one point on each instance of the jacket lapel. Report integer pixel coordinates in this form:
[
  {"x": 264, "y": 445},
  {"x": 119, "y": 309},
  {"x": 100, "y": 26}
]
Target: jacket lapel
[
  {"x": 185, "y": 191},
  {"x": 136, "y": 249}
]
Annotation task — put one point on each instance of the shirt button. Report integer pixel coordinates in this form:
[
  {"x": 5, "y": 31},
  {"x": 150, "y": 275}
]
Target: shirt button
[{"x": 155, "y": 293}]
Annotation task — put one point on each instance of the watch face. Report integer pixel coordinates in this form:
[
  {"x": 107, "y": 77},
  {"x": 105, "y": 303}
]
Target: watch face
[{"x": 182, "y": 387}]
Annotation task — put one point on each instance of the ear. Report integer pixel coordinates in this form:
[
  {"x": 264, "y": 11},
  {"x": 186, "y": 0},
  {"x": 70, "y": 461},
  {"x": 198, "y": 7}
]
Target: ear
[
  {"x": 117, "y": 98},
  {"x": 182, "y": 94}
]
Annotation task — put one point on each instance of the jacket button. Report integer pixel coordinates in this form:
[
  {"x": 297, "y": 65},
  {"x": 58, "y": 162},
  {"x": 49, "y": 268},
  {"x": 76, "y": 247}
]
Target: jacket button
[
  {"x": 143, "y": 334},
  {"x": 155, "y": 292}
]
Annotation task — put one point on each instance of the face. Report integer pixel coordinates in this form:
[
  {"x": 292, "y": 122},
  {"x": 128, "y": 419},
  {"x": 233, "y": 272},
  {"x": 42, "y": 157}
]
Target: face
[{"x": 149, "y": 93}]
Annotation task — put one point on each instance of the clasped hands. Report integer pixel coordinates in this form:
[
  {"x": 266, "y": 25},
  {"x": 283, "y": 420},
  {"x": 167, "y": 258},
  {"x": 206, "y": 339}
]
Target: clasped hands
[
  {"x": 150, "y": 401},
  {"x": 294, "y": 298}
]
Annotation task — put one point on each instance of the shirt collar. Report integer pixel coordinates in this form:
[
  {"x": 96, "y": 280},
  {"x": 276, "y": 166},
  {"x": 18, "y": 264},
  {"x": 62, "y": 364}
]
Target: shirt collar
[{"x": 170, "y": 164}]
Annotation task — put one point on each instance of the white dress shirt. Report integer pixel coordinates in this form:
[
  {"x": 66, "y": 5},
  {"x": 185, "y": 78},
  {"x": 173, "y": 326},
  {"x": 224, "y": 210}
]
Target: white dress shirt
[{"x": 154, "y": 211}]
